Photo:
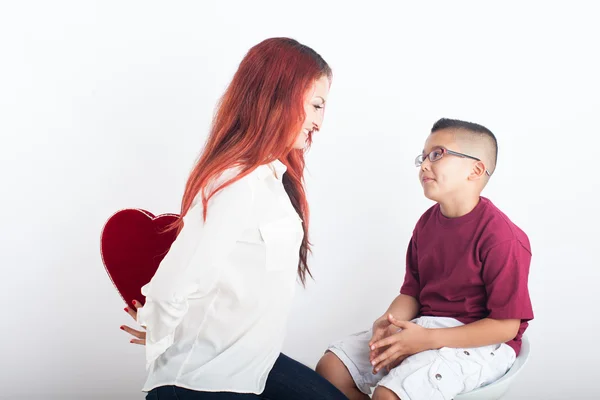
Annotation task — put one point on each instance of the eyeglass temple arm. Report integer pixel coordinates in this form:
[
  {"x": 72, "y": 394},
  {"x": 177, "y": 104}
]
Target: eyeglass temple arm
[{"x": 467, "y": 156}]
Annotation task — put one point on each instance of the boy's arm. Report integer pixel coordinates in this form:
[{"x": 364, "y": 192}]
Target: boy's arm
[
  {"x": 406, "y": 306},
  {"x": 480, "y": 333},
  {"x": 505, "y": 274},
  {"x": 403, "y": 308},
  {"x": 413, "y": 339}
]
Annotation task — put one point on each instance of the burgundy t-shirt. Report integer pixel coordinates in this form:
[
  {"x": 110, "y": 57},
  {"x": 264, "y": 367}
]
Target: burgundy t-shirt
[{"x": 471, "y": 267}]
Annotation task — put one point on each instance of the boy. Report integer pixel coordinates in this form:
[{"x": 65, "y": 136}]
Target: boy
[{"x": 467, "y": 268}]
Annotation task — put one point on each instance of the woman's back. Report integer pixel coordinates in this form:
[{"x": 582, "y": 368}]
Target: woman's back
[{"x": 238, "y": 272}]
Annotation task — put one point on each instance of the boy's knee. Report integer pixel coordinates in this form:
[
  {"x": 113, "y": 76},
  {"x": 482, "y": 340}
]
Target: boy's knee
[
  {"x": 383, "y": 393},
  {"x": 333, "y": 369},
  {"x": 329, "y": 366}
]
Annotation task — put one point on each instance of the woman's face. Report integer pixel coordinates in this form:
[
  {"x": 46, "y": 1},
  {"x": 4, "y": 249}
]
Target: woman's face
[{"x": 314, "y": 108}]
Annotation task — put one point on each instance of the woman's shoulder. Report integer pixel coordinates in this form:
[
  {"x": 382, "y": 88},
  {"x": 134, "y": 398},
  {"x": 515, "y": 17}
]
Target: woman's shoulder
[
  {"x": 225, "y": 176},
  {"x": 233, "y": 187},
  {"x": 234, "y": 177},
  {"x": 233, "y": 181}
]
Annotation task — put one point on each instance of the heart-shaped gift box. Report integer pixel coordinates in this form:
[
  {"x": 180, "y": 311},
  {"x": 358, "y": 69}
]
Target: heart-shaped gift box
[{"x": 133, "y": 242}]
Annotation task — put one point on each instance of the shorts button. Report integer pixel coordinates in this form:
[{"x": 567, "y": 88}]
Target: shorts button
[{"x": 438, "y": 377}]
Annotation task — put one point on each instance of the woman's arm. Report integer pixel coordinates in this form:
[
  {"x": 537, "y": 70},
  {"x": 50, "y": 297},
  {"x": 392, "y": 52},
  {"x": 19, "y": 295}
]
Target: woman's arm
[{"x": 190, "y": 266}]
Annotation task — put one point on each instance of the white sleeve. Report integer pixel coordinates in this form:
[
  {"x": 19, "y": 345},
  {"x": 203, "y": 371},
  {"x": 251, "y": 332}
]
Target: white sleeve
[{"x": 191, "y": 265}]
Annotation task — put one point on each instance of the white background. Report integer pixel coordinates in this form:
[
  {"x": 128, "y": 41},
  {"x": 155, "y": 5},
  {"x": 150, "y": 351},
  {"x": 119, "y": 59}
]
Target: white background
[{"x": 105, "y": 105}]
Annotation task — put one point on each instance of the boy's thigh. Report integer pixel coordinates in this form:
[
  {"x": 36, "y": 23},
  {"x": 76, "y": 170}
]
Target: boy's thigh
[
  {"x": 444, "y": 373},
  {"x": 291, "y": 380},
  {"x": 353, "y": 351}
]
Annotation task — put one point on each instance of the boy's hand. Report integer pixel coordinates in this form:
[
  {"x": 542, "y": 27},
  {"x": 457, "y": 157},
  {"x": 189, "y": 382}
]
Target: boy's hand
[
  {"x": 382, "y": 328},
  {"x": 412, "y": 339}
]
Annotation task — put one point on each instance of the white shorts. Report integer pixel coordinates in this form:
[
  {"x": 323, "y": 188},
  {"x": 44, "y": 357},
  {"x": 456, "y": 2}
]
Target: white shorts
[{"x": 433, "y": 374}]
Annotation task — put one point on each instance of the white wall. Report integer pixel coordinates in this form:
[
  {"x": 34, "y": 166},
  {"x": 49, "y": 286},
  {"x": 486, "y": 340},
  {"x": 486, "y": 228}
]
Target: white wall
[{"x": 105, "y": 105}]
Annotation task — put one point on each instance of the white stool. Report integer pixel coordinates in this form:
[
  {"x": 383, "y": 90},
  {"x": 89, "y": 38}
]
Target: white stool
[{"x": 496, "y": 390}]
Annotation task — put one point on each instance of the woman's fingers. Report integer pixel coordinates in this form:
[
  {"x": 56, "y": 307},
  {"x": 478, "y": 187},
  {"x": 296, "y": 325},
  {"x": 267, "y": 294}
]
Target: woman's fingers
[
  {"x": 140, "y": 336},
  {"x": 133, "y": 332},
  {"x": 131, "y": 312}
]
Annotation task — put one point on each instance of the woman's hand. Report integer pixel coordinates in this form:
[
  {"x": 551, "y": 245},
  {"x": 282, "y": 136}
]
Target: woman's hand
[{"x": 140, "y": 336}]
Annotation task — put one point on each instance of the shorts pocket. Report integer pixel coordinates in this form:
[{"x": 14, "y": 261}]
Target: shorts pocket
[
  {"x": 417, "y": 385},
  {"x": 435, "y": 381},
  {"x": 500, "y": 359},
  {"x": 473, "y": 366},
  {"x": 446, "y": 378}
]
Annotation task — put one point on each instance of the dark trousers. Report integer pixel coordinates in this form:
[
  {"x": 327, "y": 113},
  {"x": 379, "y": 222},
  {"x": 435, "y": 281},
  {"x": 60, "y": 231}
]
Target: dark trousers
[{"x": 288, "y": 380}]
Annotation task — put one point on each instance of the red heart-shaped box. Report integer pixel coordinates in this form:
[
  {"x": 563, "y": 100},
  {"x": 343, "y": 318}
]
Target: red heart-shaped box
[{"x": 132, "y": 244}]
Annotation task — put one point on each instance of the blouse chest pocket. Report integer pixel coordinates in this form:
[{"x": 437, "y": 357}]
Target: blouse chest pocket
[{"x": 282, "y": 238}]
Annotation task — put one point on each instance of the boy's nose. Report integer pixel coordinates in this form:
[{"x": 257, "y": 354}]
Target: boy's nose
[{"x": 426, "y": 164}]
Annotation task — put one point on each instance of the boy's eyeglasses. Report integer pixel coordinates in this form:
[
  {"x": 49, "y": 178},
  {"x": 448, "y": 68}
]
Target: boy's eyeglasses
[{"x": 437, "y": 153}]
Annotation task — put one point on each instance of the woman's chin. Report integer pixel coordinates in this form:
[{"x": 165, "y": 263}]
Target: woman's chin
[{"x": 300, "y": 145}]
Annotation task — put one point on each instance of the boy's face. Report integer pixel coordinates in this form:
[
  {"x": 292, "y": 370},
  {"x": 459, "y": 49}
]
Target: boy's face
[{"x": 448, "y": 177}]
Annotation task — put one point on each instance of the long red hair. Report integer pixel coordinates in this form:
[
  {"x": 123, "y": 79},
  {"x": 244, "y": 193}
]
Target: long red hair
[{"x": 257, "y": 121}]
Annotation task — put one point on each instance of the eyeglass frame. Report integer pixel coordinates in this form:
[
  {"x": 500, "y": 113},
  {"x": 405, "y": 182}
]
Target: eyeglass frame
[{"x": 420, "y": 159}]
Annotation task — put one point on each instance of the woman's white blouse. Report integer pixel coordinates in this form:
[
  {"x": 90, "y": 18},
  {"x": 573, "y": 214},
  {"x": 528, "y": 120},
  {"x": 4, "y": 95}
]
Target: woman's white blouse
[{"x": 217, "y": 307}]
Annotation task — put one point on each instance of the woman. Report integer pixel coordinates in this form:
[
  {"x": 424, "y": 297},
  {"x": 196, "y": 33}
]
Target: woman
[{"x": 216, "y": 309}]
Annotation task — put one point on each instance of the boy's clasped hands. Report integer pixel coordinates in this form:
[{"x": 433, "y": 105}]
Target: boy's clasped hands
[{"x": 394, "y": 340}]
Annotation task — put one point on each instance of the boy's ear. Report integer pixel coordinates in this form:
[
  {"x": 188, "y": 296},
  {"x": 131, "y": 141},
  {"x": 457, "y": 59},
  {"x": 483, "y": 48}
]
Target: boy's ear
[{"x": 478, "y": 171}]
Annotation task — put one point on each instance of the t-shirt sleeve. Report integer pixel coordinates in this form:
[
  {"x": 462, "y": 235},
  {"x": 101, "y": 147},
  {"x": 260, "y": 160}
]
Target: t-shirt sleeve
[
  {"x": 411, "y": 285},
  {"x": 506, "y": 276}
]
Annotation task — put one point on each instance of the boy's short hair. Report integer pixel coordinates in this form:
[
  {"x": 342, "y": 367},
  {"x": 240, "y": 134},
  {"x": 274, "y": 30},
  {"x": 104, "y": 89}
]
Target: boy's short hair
[{"x": 475, "y": 132}]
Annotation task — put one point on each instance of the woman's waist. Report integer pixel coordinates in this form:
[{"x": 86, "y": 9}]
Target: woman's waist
[{"x": 220, "y": 346}]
